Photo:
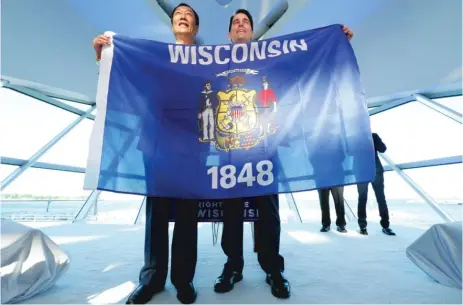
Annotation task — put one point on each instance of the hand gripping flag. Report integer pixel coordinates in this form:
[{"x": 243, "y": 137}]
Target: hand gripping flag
[{"x": 285, "y": 114}]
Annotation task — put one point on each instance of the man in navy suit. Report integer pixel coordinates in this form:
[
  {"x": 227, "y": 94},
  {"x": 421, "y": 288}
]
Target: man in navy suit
[
  {"x": 268, "y": 226},
  {"x": 378, "y": 187}
]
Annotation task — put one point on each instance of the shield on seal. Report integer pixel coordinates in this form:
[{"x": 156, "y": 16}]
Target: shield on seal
[
  {"x": 236, "y": 119},
  {"x": 236, "y": 113}
]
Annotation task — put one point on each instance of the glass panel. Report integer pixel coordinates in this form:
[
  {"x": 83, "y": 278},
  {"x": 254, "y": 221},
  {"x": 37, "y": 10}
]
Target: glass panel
[
  {"x": 73, "y": 148},
  {"x": 116, "y": 209},
  {"x": 406, "y": 208},
  {"x": 80, "y": 106},
  {"x": 454, "y": 102},
  {"x": 395, "y": 188},
  {"x": 443, "y": 184},
  {"x": 286, "y": 213},
  {"x": 40, "y": 209},
  {"x": 40, "y": 194},
  {"x": 414, "y": 132},
  {"x": 29, "y": 123},
  {"x": 5, "y": 170},
  {"x": 309, "y": 206},
  {"x": 44, "y": 183}
]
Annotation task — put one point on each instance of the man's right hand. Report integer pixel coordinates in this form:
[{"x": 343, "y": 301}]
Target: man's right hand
[{"x": 98, "y": 44}]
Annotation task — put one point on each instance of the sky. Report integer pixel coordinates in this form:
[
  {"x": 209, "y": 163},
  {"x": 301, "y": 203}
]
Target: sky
[{"x": 411, "y": 132}]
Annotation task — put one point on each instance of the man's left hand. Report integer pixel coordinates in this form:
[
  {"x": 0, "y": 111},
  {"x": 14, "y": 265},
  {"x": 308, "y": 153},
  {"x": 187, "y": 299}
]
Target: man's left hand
[{"x": 347, "y": 31}]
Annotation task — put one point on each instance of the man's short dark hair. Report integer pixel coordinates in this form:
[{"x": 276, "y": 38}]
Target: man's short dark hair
[
  {"x": 241, "y": 11},
  {"x": 184, "y": 4}
]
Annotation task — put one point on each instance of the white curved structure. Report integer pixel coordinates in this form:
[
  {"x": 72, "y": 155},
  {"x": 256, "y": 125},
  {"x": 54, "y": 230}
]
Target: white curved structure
[
  {"x": 438, "y": 253},
  {"x": 31, "y": 262}
]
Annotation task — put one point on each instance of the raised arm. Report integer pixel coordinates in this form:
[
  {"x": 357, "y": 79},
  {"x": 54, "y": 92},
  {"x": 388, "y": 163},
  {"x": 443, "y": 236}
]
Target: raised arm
[
  {"x": 98, "y": 44},
  {"x": 379, "y": 144}
]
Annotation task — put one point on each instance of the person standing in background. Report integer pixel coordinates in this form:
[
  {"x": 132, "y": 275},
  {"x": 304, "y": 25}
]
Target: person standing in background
[
  {"x": 338, "y": 197},
  {"x": 378, "y": 188}
]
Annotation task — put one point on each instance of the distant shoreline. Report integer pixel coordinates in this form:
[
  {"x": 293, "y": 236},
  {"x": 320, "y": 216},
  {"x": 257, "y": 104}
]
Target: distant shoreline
[{"x": 44, "y": 197}]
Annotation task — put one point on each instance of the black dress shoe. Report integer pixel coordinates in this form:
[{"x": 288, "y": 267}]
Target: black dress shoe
[
  {"x": 226, "y": 281},
  {"x": 388, "y": 231},
  {"x": 280, "y": 286},
  {"x": 342, "y": 229},
  {"x": 143, "y": 293},
  {"x": 186, "y": 294},
  {"x": 325, "y": 229},
  {"x": 363, "y": 231}
]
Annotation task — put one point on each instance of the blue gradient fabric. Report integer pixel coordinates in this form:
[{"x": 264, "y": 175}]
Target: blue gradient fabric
[{"x": 284, "y": 114}]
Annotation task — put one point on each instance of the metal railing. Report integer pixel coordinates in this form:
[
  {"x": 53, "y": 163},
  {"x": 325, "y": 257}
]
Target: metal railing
[{"x": 42, "y": 209}]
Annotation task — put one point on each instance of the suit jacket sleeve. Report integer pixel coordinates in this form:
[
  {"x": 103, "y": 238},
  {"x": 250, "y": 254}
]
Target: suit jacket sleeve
[
  {"x": 202, "y": 102},
  {"x": 379, "y": 144}
]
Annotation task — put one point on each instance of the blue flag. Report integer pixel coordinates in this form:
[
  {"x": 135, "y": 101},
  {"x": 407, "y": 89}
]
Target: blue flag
[{"x": 285, "y": 114}]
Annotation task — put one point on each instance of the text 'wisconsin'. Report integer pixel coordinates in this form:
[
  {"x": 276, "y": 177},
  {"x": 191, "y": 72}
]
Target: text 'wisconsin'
[{"x": 237, "y": 53}]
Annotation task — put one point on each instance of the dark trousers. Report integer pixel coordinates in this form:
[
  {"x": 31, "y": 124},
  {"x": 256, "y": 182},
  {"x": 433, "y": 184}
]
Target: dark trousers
[
  {"x": 268, "y": 232},
  {"x": 378, "y": 187},
  {"x": 184, "y": 243},
  {"x": 338, "y": 197}
]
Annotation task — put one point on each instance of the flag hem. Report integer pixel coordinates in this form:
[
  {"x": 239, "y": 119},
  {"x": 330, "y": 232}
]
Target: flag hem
[{"x": 92, "y": 173}]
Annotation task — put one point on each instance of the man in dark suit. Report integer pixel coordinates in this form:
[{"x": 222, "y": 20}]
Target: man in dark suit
[
  {"x": 338, "y": 197},
  {"x": 378, "y": 187},
  {"x": 153, "y": 275},
  {"x": 268, "y": 225}
]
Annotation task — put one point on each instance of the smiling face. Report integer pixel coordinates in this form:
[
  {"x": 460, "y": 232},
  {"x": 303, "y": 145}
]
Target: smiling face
[
  {"x": 241, "y": 29},
  {"x": 184, "y": 22}
]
